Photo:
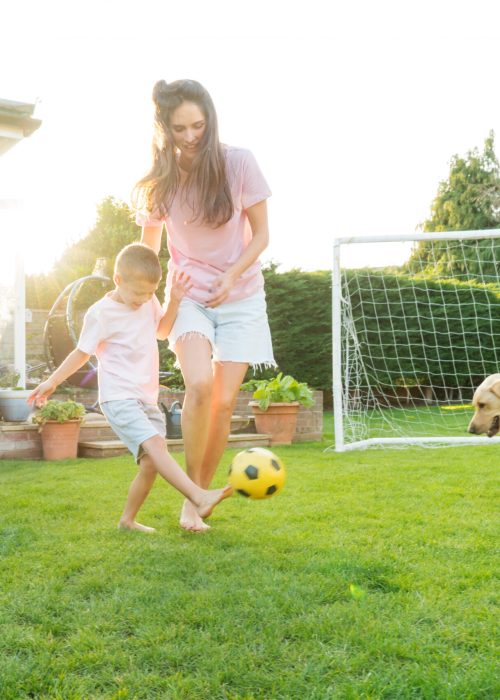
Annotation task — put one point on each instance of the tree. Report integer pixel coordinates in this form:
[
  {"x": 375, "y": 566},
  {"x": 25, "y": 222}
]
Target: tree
[
  {"x": 115, "y": 228},
  {"x": 468, "y": 200}
]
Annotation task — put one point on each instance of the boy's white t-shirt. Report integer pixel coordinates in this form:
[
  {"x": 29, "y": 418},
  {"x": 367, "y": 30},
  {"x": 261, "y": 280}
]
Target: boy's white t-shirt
[{"x": 124, "y": 342}]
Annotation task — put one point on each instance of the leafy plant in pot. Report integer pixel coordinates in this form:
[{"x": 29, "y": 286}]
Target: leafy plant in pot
[
  {"x": 277, "y": 405},
  {"x": 13, "y": 398},
  {"x": 59, "y": 423}
]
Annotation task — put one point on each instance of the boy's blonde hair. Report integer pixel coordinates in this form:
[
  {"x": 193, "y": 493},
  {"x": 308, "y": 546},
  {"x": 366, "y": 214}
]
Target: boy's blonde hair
[{"x": 138, "y": 262}]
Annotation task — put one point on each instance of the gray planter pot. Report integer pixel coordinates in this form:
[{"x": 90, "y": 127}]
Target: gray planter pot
[{"x": 14, "y": 406}]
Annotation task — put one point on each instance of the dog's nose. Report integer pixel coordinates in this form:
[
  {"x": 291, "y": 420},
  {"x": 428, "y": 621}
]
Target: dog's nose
[{"x": 472, "y": 429}]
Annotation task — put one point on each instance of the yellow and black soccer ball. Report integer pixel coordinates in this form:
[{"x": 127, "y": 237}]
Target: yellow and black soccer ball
[{"x": 257, "y": 473}]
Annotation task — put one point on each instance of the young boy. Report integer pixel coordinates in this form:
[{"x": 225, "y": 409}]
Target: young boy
[{"x": 121, "y": 330}]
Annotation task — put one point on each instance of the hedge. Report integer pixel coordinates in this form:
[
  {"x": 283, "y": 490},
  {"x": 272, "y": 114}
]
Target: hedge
[
  {"x": 437, "y": 328},
  {"x": 424, "y": 330}
]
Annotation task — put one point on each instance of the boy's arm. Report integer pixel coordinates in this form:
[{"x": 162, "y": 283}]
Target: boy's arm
[
  {"x": 181, "y": 284},
  {"x": 168, "y": 318},
  {"x": 73, "y": 362}
]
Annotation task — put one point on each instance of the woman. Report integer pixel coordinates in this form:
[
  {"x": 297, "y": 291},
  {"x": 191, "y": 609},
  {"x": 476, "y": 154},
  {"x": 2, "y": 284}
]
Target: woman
[{"x": 212, "y": 200}]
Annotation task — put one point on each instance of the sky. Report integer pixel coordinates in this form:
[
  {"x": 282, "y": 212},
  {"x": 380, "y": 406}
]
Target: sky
[{"x": 353, "y": 109}]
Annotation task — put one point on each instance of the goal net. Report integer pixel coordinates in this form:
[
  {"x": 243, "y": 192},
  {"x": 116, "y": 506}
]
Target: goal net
[{"x": 412, "y": 340}]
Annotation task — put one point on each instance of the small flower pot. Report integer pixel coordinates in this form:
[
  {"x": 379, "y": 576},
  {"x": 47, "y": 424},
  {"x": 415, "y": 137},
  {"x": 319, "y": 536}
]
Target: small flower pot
[
  {"x": 13, "y": 404},
  {"x": 279, "y": 421},
  {"x": 60, "y": 440}
]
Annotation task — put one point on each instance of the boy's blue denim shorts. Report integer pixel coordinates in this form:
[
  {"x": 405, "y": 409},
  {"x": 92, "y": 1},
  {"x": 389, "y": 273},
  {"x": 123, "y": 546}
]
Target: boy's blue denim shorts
[
  {"x": 237, "y": 331},
  {"x": 134, "y": 421}
]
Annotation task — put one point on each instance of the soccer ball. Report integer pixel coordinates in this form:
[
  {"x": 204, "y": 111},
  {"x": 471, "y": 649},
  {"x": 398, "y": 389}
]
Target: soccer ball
[{"x": 257, "y": 473}]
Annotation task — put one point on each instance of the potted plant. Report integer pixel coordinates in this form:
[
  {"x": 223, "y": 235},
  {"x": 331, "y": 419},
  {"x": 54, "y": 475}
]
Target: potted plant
[
  {"x": 13, "y": 403},
  {"x": 277, "y": 405},
  {"x": 59, "y": 423}
]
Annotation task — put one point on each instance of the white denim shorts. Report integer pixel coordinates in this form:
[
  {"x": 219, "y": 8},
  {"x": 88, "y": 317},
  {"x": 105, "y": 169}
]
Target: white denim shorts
[
  {"x": 238, "y": 331},
  {"x": 134, "y": 421}
]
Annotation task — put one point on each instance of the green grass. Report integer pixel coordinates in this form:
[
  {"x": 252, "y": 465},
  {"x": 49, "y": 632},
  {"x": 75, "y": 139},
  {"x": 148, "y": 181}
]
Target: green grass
[
  {"x": 425, "y": 421},
  {"x": 371, "y": 576}
]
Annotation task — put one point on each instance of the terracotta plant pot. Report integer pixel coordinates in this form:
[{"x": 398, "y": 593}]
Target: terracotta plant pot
[
  {"x": 279, "y": 421},
  {"x": 60, "y": 440}
]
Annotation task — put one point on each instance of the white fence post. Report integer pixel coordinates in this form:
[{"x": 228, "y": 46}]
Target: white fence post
[{"x": 337, "y": 350}]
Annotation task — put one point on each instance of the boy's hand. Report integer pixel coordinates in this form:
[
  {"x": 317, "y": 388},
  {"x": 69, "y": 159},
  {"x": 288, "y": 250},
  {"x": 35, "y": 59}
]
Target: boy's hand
[
  {"x": 181, "y": 284},
  {"x": 40, "y": 395}
]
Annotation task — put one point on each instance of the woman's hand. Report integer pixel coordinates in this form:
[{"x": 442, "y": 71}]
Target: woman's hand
[
  {"x": 220, "y": 290},
  {"x": 181, "y": 284},
  {"x": 257, "y": 216}
]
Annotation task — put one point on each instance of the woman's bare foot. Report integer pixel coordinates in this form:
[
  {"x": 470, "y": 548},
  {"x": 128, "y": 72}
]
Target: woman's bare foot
[
  {"x": 210, "y": 499},
  {"x": 190, "y": 519},
  {"x": 135, "y": 526}
]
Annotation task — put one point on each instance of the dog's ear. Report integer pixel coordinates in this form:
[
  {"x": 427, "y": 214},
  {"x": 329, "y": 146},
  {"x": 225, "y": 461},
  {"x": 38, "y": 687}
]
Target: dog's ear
[{"x": 495, "y": 388}]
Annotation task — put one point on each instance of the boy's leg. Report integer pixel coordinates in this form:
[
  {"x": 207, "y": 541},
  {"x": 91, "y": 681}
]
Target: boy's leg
[
  {"x": 204, "y": 501},
  {"x": 138, "y": 491}
]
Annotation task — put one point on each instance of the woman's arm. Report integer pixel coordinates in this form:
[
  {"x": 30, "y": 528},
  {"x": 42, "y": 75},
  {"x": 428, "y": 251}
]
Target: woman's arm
[
  {"x": 151, "y": 236},
  {"x": 257, "y": 216}
]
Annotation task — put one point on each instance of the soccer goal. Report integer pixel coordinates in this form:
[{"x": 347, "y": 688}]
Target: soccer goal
[{"x": 416, "y": 327}]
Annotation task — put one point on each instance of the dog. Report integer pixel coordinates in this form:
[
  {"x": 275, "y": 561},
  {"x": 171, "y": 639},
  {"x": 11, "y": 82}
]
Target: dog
[{"x": 486, "y": 401}]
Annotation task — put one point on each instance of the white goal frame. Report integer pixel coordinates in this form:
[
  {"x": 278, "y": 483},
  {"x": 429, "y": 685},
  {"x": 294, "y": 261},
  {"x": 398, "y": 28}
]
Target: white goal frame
[{"x": 340, "y": 445}]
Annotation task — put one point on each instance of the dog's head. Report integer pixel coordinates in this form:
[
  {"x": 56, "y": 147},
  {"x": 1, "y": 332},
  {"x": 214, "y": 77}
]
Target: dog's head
[{"x": 486, "y": 400}]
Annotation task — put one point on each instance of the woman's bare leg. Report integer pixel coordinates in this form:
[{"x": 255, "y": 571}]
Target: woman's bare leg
[
  {"x": 227, "y": 381},
  {"x": 194, "y": 354}
]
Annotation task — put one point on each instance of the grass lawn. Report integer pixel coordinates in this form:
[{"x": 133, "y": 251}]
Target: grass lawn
[
  {"x": 371, "y": 576},
  {"x": 425, "y": 421}
]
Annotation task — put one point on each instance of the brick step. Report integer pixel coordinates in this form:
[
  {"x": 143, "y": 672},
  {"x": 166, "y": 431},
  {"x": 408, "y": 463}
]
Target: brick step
[
  {"x": 114, "y": 448},
  {"x": 95, "y": 426},
  {"x": 101, "y": 448}
]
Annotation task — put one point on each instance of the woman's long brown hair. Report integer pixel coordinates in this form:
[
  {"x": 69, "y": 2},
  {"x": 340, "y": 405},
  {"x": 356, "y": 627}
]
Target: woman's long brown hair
[{"x": 206, "y": 189}]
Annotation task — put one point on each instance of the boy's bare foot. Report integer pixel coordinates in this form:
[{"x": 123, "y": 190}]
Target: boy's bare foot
[
  {"x": 190, "y": 519},
  {"x": 135, "y": 526},
  {"x": 210, "y": 499}
]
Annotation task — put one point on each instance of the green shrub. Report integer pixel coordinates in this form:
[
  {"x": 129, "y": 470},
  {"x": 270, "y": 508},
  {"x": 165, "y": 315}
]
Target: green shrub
[{"x": 300, "y": 316}]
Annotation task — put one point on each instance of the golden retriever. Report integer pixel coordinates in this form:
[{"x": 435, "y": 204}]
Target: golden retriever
[{"x": 486, "y": 401}]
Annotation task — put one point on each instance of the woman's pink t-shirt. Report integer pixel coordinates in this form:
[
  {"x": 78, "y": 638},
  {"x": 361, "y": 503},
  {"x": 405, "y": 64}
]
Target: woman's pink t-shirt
[{"x": 204, "y": 252}]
